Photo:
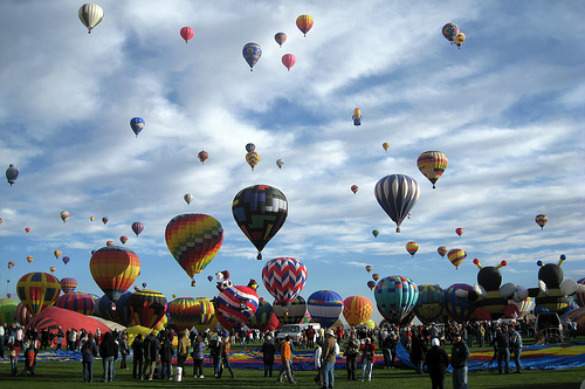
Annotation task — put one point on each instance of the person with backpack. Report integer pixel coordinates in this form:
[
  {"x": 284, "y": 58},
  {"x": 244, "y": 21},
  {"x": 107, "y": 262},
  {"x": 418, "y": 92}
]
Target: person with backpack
[
  {"x": 516, "y": 347},
  {"x": 437, "y": 362},
  {"x": 138, "y": 357},
  {"x": 89, "y": 351},
  {"x": 459, "y": 357}
]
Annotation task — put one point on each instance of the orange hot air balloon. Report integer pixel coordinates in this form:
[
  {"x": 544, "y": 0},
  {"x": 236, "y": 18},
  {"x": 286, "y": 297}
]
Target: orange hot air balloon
[
  {"x": 459, "y": 231},
  {"x": 114, "y": 270},
  {"x": 305, "y": 23},
  {"x": 442, "y": 250},
  {"x": 357, "y": 310},
  {"x": 412, "y": 247},
  {"x": 354, "y": 188},
  {"x": 29, "y": 258},
  {"x": 456, "y": 256},
  {"x": 37, "y": 291}
]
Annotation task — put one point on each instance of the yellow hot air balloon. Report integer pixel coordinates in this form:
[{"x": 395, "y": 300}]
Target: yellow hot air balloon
[
  {"x": 37, "y": 291},
  {"x": 252, "y": 158},
  {"x": 385, "y": 146},
  {"x": 459, "y": 39},
  {"x": 432, "y": 164},
  {"x": 412, "y": 247},
  {"x": 357, "y": 310},
  {"x": 57, "y": 253},
  {"x": 357, "y": 116},
  {"x": 456, "y": 256}
]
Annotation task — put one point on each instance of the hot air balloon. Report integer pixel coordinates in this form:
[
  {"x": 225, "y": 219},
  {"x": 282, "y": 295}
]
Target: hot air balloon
[
  {"x": 8, "y": 310},
  {"x": 357, "y": 310},
  {"x": 354, "y": 188},
  {"x": 357, "y": 116},
  {"x": 209, "y": 278},
  {"x": 105, "y": 220},
  {"x": 371, "y": 285},
  {"x": 188, "y": 197},
  {"x": 193, "y": 283},
  {"x": 91, "y": 15},
  {"x": 457, "y": 303},
  {"x": 137, "y": 228},
  {"x": 252, "y": 53},
  {"x": 432, "y": 164},
  {"x": 92, "y": 218},
  {"x": 292, "y": 313},
  {"x": 29, "y": 258},
  {"x": 368, "y": 268},
  {"x": 375, "y": 233},
  {"x": 396, "y": 297},
  {"x": 144, "y": 285},
  {"x": 456, "y": 256},
  {"x": 109, "y": 243},
  {"x": 412, "y": 247},
  {"x": 541, "y": 220},
  {"x": 280, "y": 38},
  {"x": 289, "y": 60},
  {"x": 137, "y": 125},
  {"x": 397, "y": 194},
  {"x": 119, "y": 312},
  {"x": 260, "y": 211},
  {"x": 57, "y": 253},
  {"x": 284, "y": 278},
  {"x": 147, "y": 307},
  {"x": 65, "y": 215},
  {"x": 459, "y": 231},
  {"x": 114, "y": 270},
  {"x": 459, "y": 39},
  {"x": 27, "y": 230},
  {"x": 265, "y": 319},
  {"x": 430, "y": 305},
  {"x": 187, "y": 33},
  {"x": 52, "y": 269},
  {"x": 194, "y": 239},
  {"x": 203, "y": 156},
  {"x": 450, "y": 31},
  {"x": 325, "y": 307},
  {"x": 305, "y": 23},
  {"x": 78, "y": 302},
  {"x": 11, "y": 174},
  {"x": 204, "y": 313},
  {"x": 11, "y": 264},
  {"x": 375, "y": 277},
  {"x": 250, "y": 147},
  {"x": 66, "y": 260},
  {"x": 68, "y": 284},
  {"x": 279, "y": 163},
  {"x": 580, "y": 295},
  {"x": 183, "y": 312},
  {"x": 123, "y": 239},
  {"x": 442, "y": 250},
  {"x": 38, "y": 291},
  {"x": 236, "y": 306},
  {"x": 385, "y": 146},
  {"x": 252, "y": 158}
]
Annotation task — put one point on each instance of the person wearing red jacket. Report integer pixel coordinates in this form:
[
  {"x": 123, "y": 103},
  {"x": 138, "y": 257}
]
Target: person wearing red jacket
[{"x": 368, "y": 351}]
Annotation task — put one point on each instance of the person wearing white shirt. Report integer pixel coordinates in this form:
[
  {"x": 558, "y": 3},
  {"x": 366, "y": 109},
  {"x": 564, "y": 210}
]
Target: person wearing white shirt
[{"x": 318, "y": 356}]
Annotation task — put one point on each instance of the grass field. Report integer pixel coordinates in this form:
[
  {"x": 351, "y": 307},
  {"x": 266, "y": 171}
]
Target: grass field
[{"x": 67, "y": 375}]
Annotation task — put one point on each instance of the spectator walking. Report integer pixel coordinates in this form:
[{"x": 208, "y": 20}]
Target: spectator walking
[
  {"x": 459, "y": 357},
  {"x": 268, "y": 351},
  {"x": 437, "y": 362},
  {"x": 286, "y": 359},
  {"x": 89, "y": 351},
  {"x": 30, "y": 356},
  {"x": 108, "y": 350},
  {"x": 138, "y": 357}
]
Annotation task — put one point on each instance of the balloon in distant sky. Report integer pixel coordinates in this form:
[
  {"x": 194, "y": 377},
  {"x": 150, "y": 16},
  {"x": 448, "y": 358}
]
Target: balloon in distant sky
[
  {"x": 442, "y": 250},
  {"x": 357, "y": 116},
  {"x": 123, "y": 239},
  {"x": 305, "y": 23},
  {"x": 137, "y": 228},
  {"x": 194, "y": 240},
  {"x": 250, "y": 147},
  {"x": 432, "y": 164},
  {"x": 459, "y": 39},
  {"x": 280, "y": 38},
  {"x": 385, "y": 146},
  {"x": 371, "y": 285},
  {"x": 144, "y": 284},
  {"x": 91, "y": 15},
  {"x": 137, "y": 124},
  {"x": 29, "y": 258},
  {"x": 66, "y": 259},
  {"x": 260, "y": 211},
  {"x": 412, "y": 247},
  {"x": 68, "y": 284},
  {"x": 11, "y": 264},
  {"x": 456, "y": 256},
  {"x": 104, "y": 220},
  {"x": 325, "y": 307},
  {"x": 375, "y": 277},
  {"x": 203, "y": 156},
  {"x": 187, "y": 33},
  {"x": 57, "y": 253},
  {"x": 289, "y": 60},
  {"x": 397, "y": 194},
  {"x": 92, "y": 218},
  {"x": 114, "y": 270},
  {"x": 396, "y": 297},
  {"x": 354, "y": 188},
  {"x": 450, "y": 31},
  {"x": 369, "y": 268},
  {"x": 65, "y": 215},
  {"x": 284, "y": 278},
  {"x": 252, "y": 158},
  {"x": 188, "y": 197},
  {"x": 279, "y": 163},
  {"x": 541, "y": 220},
  {"x": 11, "y": 174},
  {"x": 252, "y": 53},
  {"x": 27, "y": 230},
  {"x": 375, "y": 233},
  {"x": 459, "y": 231},
  {"x": 109, "y": 243},
  {"x": 37, "y": 291}
]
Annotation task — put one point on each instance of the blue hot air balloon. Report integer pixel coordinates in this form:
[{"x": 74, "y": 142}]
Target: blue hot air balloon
[
  {"x": 397, "y": 194},
  {"x": 458, "y": 303},
  {"x": 396, "y": 297},
  {"x": 325, "y": 307},
  {"x": 252, "y": 53},
  {"x": 137, "y": 124},
  {"x": 11, "y": 174}
]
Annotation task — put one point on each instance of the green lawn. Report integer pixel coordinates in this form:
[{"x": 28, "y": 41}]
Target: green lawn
[{"x": 65, "y": 375}]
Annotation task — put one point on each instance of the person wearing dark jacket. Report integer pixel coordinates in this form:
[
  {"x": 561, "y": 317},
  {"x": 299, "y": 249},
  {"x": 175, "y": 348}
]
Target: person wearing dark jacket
[
  {"x": 147, "y": 361},
  {"x": 108, "y": 349},
  {"x": 268, "y": 351},
  {"x": 215, "y": 354},
  {"x": 437, "y": 362},
  {"x": 417, "y": 353},
  {"x": 198, "y": 355},
  {"x": 138, "y": 355},
  {"x": 153, "y": 355},
  {"x": 459, "y": 357},
  {"x": 89, "y": 350},
  {"x": 503, "y": 346},
  {"x": 166, "y": 356}
]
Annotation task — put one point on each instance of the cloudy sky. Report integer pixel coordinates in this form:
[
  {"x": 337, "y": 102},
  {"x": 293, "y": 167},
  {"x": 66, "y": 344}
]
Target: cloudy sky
[{"x": 507, "y": 108}]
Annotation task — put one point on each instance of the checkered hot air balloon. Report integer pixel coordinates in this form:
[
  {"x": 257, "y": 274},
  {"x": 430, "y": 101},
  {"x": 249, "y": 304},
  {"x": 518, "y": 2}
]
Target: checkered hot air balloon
[
  {"x": 396, "y": 297},
  {"x": 194, "y": 239},
  {"x": 292, "y": 313},
  {"x": 284, "y": 278},
  {"x": 235, "y": 306},
  {"x": 147, "y": 307},
  {"x": 79, "y": 302},
  {"x": 38, "y": 291},
  {"x": 114, "y": 270},
  {"x": 357, "y": 310},
  {"x": 68, "y": 284},
  {"x": 325, "y": 307},
  {"x": 431, "y": 302}
]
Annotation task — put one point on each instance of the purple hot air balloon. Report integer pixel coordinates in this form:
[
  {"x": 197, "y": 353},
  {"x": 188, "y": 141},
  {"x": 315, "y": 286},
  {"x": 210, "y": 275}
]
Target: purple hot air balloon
[{"x": 137, "y": 227}]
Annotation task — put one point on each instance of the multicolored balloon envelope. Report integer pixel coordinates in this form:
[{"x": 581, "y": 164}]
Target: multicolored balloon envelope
[
  {"x": 456, "y": 257},
  {"x": 397, "y": 194},
  {"x": 284, "y": 278},
  {"x": 79, "y": 302},
  {"x": 357, "y": 310},
  {"x": 260, "y": 211},
  {"x": 431, "y": 302},
  {"x": 458, "y": 305},
  {"x": 325, "y": 307},
  {"x": 194, "y": 239},
  {"x": 432, "y": 164},
  {"x": 265, "y": 319},
  {"x": 305, "y": 23},
  {"x": 184, "y": 312},
  {"x": 68, "y": 284},
  {"x": 137, "y": 228},
  {"x": 8, "y": 310},
  {"x": 147, "y": 307},
  {"x": 204, "y": 313},
  {"x": 252, "y": 53},
  {"x": 396, "y": 297},
  {"x": 292, "y": 313},
  {"x": 235, "y": 306},
  {"x": 38, "y": 291},
  {"x": 114, "y": 270}
]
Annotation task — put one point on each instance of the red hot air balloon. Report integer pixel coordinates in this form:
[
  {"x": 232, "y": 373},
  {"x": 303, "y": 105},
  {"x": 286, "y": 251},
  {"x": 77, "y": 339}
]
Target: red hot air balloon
[
  {"x": 354, "y": 188},
  {"x": 459, "y": 231},
  {"x": 187, "y": 33},
  {"x": 123, "y": 239},
  {"x": 137, "y": 228},
  {"x": 289, "y": 60},
  {"x": 203, "y": 156}
]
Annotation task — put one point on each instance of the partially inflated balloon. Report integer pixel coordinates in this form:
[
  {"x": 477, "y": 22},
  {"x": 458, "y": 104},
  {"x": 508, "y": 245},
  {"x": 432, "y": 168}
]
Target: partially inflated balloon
[
  {"x": 187, "y": 33},
  {"x": 83, "y": 303},
  {"x": 280, "y": 38},
  {"x": 38, "y": 291},
  {"x": 194, "y": 239},
  {"x": 396, "y": 297},
  {"x": 442, "y": 250},
  {"x": 68, "y": 284},
  {"x": 137, "y": 228},
  {"x": 91, "y": 15},
  {"x": 289, "y": 60},
  {"x": 252, "y": 53},
  {"x": 235, "y": 306},
  {"x": 260, "y": 211},
  {"x": 397, "y": 194},
  {"x": 305, "y": 23},
  {"x": 412, "y": 247},
  {"x": 541, "y": 220},
  {"x": 432, "y": 164},
  {"x": 430, "y": 305},
  {"x": 114, "y": 270},
  {"x": 357, "y": 310},
  {"x": 456, "y": 256},
  {"x": 325, "y": 307},
  {"x": 284, "y": 278},
  {"x": 11, "y": 174},
  {"x": 147, "y": 307},
  {"x": 188, "y": 197},
  {"x": 65, "y": 215},
  {"x": 137, "y": 125},
  {"x": 252, "y": 158}
]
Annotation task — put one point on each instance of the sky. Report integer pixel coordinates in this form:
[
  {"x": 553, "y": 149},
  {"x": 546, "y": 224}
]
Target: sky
[{"x": 507, "y": 108}]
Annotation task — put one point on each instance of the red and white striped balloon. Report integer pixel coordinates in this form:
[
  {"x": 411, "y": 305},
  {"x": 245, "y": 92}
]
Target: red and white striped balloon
[{"x": 284, "y": 278}]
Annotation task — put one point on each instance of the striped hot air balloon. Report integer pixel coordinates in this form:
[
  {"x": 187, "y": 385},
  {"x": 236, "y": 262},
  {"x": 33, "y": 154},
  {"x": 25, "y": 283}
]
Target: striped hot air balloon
[
  {"x": 204, "y": 313},
  {"x": 114, "y": 270},
  {"x": 305, "y": 23},
  {"x": 357, "y": 310},
  {"x": 292, "y": 313},
  {"x": 184, "y": 312},
  {"x": 284, "y": 278},
  {"x": 91, "y": 15},
  {"x": 68, "y": 284},
  {"x": 147, "y": 307},
  {"x": 541, "y": 220},
  {"x": 396, "y": 297},
  {"x": 431, "y": 303},
  {"x": 412, "y": 247},
  {"x": 432, "y": 164},
  {"x": 194, "y": 239},
  {"x": 456, "y": 256},
  {"x": 397, "y": 194},
  {"x": 235, "y": 306},
  {"x": 79, "y": 302},
  {"x": 457, "y": 303},
  {"x": 325, "y": 307},
  {"x": 22, "y": 315},
  {"x": 38, "y": 291}
]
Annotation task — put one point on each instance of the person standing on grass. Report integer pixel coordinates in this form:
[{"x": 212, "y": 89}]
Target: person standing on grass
[
  {"x": 329, "y": 357},
  {"x": 459, "y": 357},
  {"x": 368, "y": 350},
  {"x": 89, "y": 351},
  {"x": 198, "y": 355},
  {"x": 437, "y": 362},
  {"x": 516, "y": 347},
  {"x": 502, "y": 342},
  {"x": 2, "y": 340},
  {"x": 108, "y": 350},
  {"x": 215, "y": 353},
  {"x": 226, "y": 349},
  {"x": 124, "y": 349},
  {"x": 286, "y": 360},
  {"x": 166, "y": 356},
  {"x": 13, "y": 350},
  {"x": 138, "y": 357},
  {"x": 351, "y": 353},
  {"x": 153, "y": 355},
  {"x": 318, "y": 359},
  {"x": 30, "y": 356},
  {"x": 268, "y": 351},
  {"x": 417, "y": 352},
  {"x": 183, "y": 350}
]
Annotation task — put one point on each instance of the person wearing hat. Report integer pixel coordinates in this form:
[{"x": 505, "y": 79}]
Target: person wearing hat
[
  {"x": 437, "y": 362},
  {"x": 330, "y": 348},
  {"x": 459, "y": 356}
]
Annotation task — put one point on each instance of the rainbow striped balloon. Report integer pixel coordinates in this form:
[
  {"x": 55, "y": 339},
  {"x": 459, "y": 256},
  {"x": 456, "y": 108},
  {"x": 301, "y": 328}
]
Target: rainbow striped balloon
[
  {"x": 432, "y": 164},
  {"x": 204, "y": 313},
  {"x": 194, "y": 239},
  {"x": 412, "y": 247},
  {"x": 114, "y": 269},
  {"x": 284, "y": 278},
  {"x": 183, "y": 312},
  {"x": 68, "y": 284},
  {"x": 456, "y": 256},
  {"x": 357, "y": 310},
  {"x": 79, "y": 302},
  {"x": 38, "y": 291},
  {"x": 235, "y": 306}
]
